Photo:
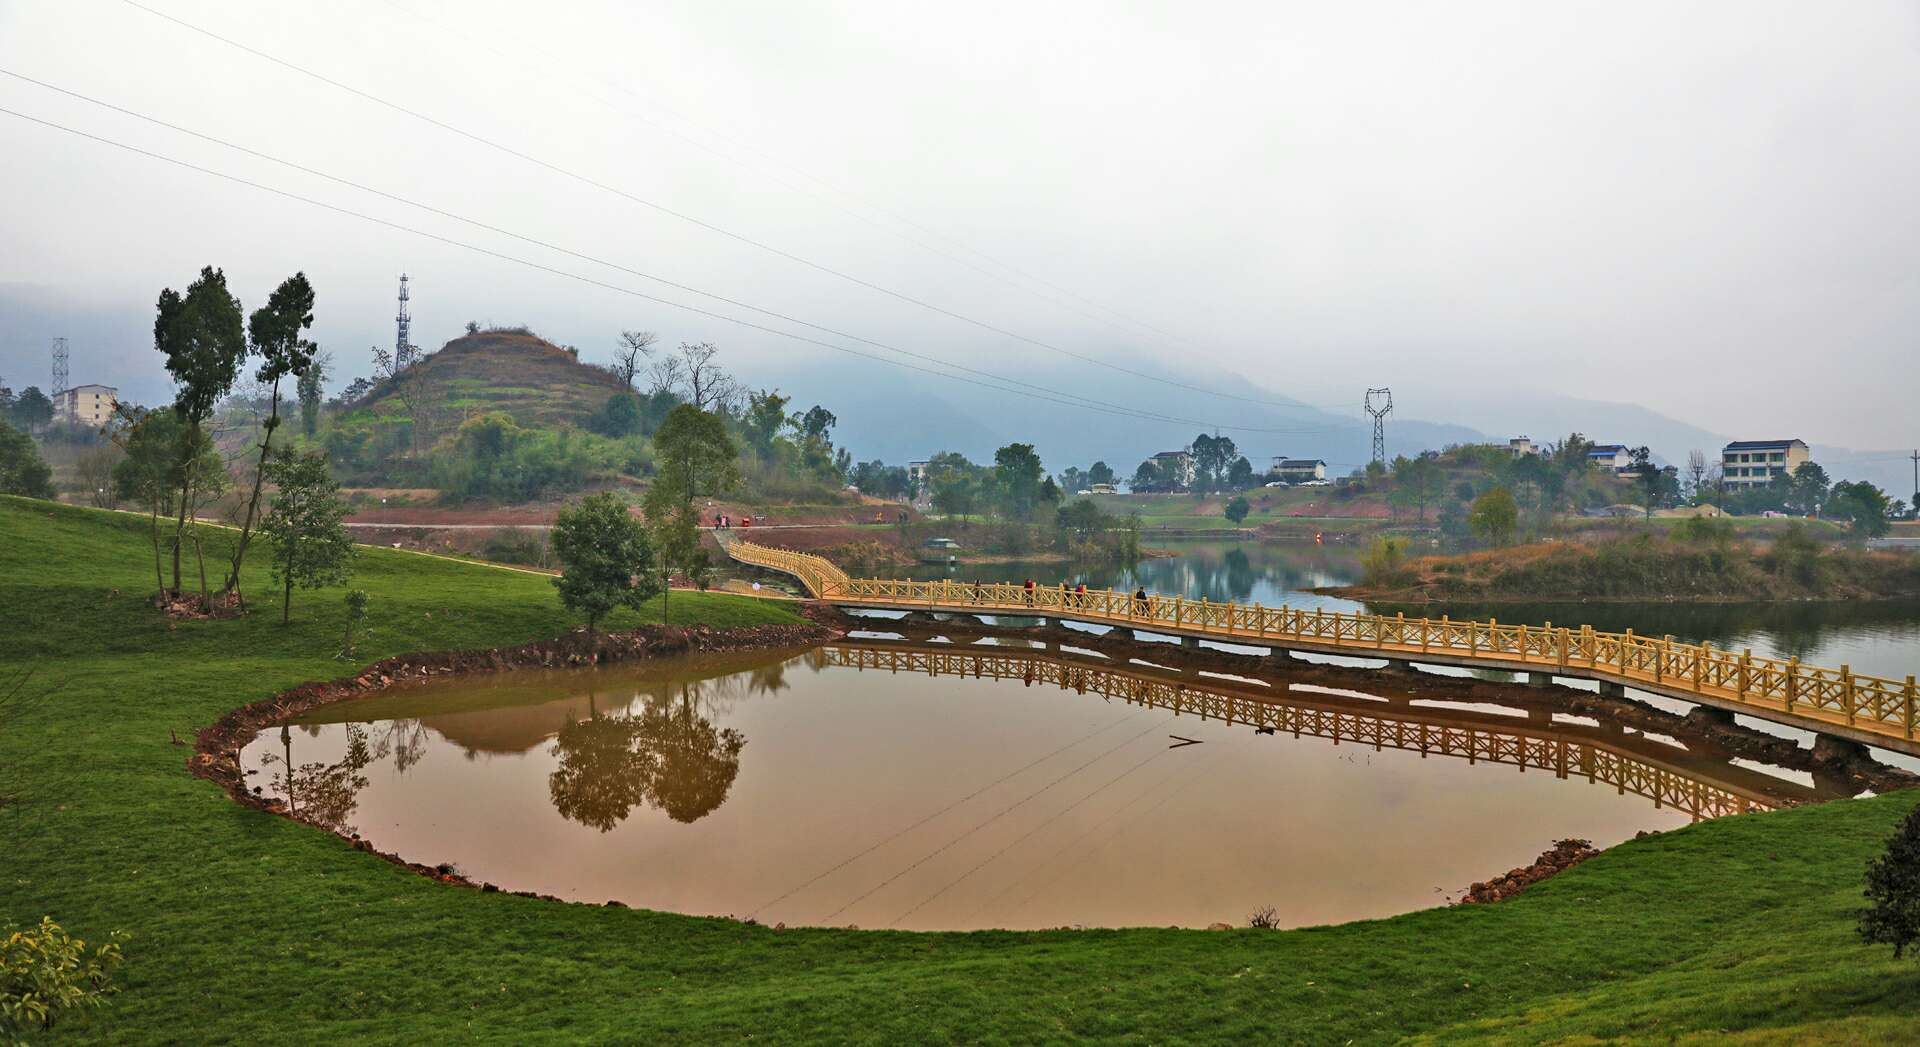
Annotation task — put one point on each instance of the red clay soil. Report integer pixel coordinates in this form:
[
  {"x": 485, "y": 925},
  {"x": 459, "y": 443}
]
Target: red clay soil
[
  {"x": 1565, "y": 855},
  {"x": 216, "y": 750}
]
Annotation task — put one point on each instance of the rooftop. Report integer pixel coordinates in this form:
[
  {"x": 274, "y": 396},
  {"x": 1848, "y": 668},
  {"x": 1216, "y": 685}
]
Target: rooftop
[{"x": 1761, "y": 445}]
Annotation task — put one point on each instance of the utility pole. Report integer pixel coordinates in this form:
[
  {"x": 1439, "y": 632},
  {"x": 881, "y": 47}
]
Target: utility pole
[
  {"x": 1915, "y": 504},
  {"x": 1379, "y": 404}
]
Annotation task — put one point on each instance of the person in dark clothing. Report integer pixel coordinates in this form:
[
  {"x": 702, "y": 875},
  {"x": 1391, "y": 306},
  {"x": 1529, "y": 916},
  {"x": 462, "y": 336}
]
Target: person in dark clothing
[{"x": 1140, "y": 605}]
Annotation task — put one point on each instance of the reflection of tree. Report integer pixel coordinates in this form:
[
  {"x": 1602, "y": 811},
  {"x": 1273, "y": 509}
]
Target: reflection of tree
[
  {"x": 323, "y": 793},
  {"x": 696, "y": 762},
  {"x": 669, "y": 757},
  {"x": 406, "y": 740}
]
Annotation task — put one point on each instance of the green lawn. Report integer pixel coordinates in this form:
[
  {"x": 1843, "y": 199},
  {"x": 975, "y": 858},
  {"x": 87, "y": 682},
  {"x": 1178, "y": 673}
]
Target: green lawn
[{"x": 251, "y": 927}]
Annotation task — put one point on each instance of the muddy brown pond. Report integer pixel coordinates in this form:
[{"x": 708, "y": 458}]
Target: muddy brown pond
[{"x": 886, "y": 783}]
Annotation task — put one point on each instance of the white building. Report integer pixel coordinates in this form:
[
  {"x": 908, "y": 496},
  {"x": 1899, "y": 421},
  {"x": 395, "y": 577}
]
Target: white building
[
  {"x": 1179, "y": 466},
  {"x": 1612, "y": 457},
  {"x": 89, "y": 405},
  {"x": 917, "y": 474},
  {"x": 1299, "y": 470},
  {"x": 1749, "y": 463},
  {"x": 1520, "y": 446}
]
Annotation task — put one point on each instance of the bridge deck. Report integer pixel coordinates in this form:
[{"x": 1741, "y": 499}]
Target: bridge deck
[{"x": 1868, "y": 709}]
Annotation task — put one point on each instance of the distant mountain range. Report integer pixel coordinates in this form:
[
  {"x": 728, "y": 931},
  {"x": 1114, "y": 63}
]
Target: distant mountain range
[{"x": 898, "y": 415}]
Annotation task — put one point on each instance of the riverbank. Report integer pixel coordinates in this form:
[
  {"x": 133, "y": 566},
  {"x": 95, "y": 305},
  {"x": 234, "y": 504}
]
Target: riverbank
[
  {"x": 1644, "y": 566},
  {"x": 249, "y": 926}
]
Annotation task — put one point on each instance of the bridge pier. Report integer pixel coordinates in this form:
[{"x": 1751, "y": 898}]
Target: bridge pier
[
  {"x": 1609, "y": 689},
  {"x": 1120, "y": 632},
  {"x": 1399, "y": 665},
  {"x": 1191, "y": 643},
  {"x": 1707, "y": 715},
  {"x": 1829, "y": 749},
  {"x": 1280, "y": 654},
  {"x": 1539, "y": 679}
]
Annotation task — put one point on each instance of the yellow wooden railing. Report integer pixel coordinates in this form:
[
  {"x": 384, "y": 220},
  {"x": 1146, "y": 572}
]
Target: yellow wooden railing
[
  {"x": 1515, "y": 746},
  {"x": 1873, "y": 704}
]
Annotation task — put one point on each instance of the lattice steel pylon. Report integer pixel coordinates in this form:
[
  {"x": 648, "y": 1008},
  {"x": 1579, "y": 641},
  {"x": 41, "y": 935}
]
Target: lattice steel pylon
[
  {"x": 60, "y": 380},
  {"x": 1379, "y": 404},
  {"x": 402, "y": 348}
]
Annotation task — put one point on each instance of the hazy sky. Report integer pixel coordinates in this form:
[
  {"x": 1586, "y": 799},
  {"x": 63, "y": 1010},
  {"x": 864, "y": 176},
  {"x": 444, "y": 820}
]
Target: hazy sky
[{"x": 1712, "y": 208}]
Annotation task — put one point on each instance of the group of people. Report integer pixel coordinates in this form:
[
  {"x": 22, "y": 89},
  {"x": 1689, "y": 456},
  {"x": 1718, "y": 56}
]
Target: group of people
[
  {"x": 1075, "y": 597},
  {"x": 724, "y": 522}
]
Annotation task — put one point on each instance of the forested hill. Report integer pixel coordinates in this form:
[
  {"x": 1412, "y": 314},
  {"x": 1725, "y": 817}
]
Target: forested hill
[{"x": 540, "y": 384}]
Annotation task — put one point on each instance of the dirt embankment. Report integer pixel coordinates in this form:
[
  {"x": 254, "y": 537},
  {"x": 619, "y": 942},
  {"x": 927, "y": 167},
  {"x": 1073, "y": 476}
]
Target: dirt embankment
[{"x": 1565, "y": 855}]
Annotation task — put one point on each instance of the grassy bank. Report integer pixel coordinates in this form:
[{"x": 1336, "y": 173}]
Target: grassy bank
[
  {"x": 1701, "y": 562},
  {"x": 248, "y": 926}
]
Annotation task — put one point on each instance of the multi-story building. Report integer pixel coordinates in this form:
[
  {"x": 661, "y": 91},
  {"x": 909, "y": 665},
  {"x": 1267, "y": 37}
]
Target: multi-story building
[
  {"x": 89, "y": 405},
  {"x": 1299, "y": 470},
  {"x": 1520, "y": 447},
  {"x": 1745, "y": 463},
  {"x": 1178, "y": 466},
  {"x": 917, "y": 474},
  {"x": 1614, "y": 458}
]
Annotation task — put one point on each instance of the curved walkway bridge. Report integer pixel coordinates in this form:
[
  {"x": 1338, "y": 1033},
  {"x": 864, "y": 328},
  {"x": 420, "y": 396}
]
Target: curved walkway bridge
[{"x": 1834, "y": 703}]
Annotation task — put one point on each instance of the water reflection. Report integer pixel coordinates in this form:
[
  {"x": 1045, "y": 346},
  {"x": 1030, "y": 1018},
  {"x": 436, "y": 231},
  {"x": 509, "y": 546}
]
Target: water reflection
[
  {"x": 929, "y": 785},
  {"x": 669, "y": 757}
]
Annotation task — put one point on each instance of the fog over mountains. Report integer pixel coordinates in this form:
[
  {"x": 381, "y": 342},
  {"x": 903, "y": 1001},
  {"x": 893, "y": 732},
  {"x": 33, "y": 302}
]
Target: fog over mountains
[{"x": 899, "y": 415}]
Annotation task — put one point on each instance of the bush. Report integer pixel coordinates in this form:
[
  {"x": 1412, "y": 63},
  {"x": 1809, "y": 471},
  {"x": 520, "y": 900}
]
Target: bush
[
  {"x": 1893, "y": 886},
  {"x": 45, "y": 974},
  {"x": 22, "y": 471},
  {"x": 517, "y": 545},
  {"x": 1237, "y": 510},
  {"x": 1384, "y": 563}
]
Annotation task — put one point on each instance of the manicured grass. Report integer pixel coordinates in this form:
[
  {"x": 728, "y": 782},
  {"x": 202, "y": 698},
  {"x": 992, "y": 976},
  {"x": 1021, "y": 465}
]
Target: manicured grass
[{"x": 250, "y": 927}]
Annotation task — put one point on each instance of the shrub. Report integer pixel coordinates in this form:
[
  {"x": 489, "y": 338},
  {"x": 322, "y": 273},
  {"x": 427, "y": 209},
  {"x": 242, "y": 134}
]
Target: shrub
[
  {"x": 22, "y": 471},
  {"x": 1893, "y": 886},
  {"x": 517, "y": 545},
  {"x": 1264, "y": 918},
  {"x": 1237, "y": 510},
  {"x": 1384, "y": 563},
  {"x": 46, "y": 974}
]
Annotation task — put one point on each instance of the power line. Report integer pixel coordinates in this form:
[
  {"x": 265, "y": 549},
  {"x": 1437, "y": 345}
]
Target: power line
[
  {"x": 1003, "y": 812},
  {"x": 683, "y": 216},
  {"x": 563, "y": 66},
  {"x": 1051, "y": 396},
  {"x": 895, "y": 836},
  {"x": 1024, "y": 837}
]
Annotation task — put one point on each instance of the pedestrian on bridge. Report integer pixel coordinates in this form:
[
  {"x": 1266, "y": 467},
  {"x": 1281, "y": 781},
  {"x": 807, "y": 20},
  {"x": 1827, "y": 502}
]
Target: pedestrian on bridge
[
  {"x": 1140, "y": 605},
  {"x": 1029, "y": 589}
]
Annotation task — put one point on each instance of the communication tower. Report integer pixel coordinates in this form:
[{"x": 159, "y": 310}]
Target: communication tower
[
  {"x": 59, "y": 368},
  {"x": 402, "y": 348}
]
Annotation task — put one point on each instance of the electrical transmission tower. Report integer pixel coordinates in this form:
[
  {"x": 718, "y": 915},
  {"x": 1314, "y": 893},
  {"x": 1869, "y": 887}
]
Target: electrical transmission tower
[
  {"x": 1379, "y": 404},
  {"x": 60, "y": 380},
  {"x": 402, "y": 348}
]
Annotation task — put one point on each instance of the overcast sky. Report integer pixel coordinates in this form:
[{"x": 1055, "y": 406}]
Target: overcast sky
[{"x": 1711, "y": 209}]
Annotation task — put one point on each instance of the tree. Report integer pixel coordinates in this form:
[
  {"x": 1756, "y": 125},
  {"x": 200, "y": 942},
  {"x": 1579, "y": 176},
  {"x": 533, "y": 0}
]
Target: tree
[
  {"x": 200, "y": 334},
  {"x": 605, "y": 557},
  {"x": 1237, "y": 509},
  {"x": 1656, "y": 484},
  {"x": 1494, "y": 515},
  {"x": 701, "y": 380},
  {"x": 619, "y": 417},
  {"x": 1073, "y": 479},
  {"x": 1864, "y": 507},
  {"x": 953, "y": 483},
  {"x": 1016, "y": 478},
  {"x": 693, "y": 456},
  {"x": 312, "y": 547},
  {"x": 158, "y": 447},
  {"x": 765, "y": 416},
  {"x": 1696, "y": 475},
  {"x": 277, "y": 330},
  {"x": 628, "y": 353},
  {"x": 31, "y": 410},
  {"x": 1150, "y": 476},
  {"x": 311, "y": 388},
  {"x": 94, "y": 468},
  {"x": 1893, "y": 886},
  {"x": 817, "y": 424},
  {"x": 356, "y": 613},
  {"x": 1240, "y": 474},
  {"x": 419, "y": 390},
  {"x": 1099, "y": 473},
  {"x": 1806, "y": 487},
  {"x": 22, "y": 471},
  {"x": 1211, "y": 457}
]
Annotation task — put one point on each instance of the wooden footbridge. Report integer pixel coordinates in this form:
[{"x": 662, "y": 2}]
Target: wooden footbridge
[{"x": 1836, "y": 704}]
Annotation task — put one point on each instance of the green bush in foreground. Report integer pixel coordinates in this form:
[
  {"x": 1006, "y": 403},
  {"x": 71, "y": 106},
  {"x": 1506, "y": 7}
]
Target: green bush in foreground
[
  {"x": 1893, "y": 886},
  {"x": 47, "y": 974}
]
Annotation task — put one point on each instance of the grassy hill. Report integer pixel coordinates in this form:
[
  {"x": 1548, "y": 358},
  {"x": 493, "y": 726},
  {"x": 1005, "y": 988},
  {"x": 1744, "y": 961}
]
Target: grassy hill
[
  {"x": 248, "y": 926},
  {"x": 540, "y": 384}
]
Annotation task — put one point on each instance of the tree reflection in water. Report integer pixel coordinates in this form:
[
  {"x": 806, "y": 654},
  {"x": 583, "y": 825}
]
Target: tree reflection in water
[
  {"x": 323, "y": 793},
  {"x": 670, "y": 757}
]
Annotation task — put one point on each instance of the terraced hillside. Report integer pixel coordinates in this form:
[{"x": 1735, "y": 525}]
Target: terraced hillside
[{"x": 540, "y": 384}]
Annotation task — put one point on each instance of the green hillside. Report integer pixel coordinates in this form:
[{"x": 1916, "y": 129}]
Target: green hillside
[
  {"x": 540, "y": 384},
  {"x": 248, "y": 926}
]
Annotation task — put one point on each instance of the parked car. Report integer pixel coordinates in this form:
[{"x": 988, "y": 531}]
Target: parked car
[{"x": 1276, "y": 483}]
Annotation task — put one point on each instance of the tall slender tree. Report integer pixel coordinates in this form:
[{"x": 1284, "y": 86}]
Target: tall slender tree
[
  {"x": 200, "y": 334},
  {"x": 695, "y": 456},
  {"x": 278, "y": 333},
  {"x": 312, "y": 547}
]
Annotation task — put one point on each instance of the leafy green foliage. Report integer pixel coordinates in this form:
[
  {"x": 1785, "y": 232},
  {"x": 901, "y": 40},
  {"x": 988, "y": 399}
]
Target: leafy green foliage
[
  {"x": 356, "y": 601},
  {"x": 1384, "y": 563},
  {"x": 1494, "y": 516},
  {"x": 22, "y": 470},
  {"x": 606, "y": 560},
  {"x": 1237, "y": 509},
  {"x": 31, "y": 410},
  {"x": 619, "y": 417},
  {"x": 1893, "y": 886},
  {"x": 47, "y": 975},
  {"x": 311, "y": 545},
  {"x": 493, "y": 457}
]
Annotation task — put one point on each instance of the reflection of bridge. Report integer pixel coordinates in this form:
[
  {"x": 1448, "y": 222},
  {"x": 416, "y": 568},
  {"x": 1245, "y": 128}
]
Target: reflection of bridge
[
  {"x": 1835, "y": 703},
  {"x": 1668, "y": 775}
]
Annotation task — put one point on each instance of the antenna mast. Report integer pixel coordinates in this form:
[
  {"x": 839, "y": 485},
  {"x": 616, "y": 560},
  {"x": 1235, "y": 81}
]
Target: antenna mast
[
  {"x": 59, "y": 368},
  {"x": 1379, "y": 404},
  {"x": 402, "y": 348}
]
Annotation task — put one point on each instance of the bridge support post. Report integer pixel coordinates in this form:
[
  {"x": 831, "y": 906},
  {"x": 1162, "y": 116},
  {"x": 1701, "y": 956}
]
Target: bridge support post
[
  {"x": 1609, "y": 689},
  {"x": 1191, "y": 643},
  {"x": 1539, "y": 679},
  {"x": 1399, "y": 665},
  {"x": 1050, "y": 623},
  {"x": 1280, "y": 655},
  {"x": 1120, "y": 632},
  {"x": 1828, "y": 749}
]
